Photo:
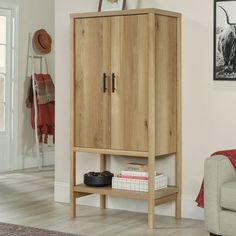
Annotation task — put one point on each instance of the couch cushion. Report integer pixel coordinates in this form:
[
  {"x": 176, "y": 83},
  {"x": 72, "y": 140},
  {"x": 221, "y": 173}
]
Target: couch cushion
[
  {"x": 227, "y": 222},
  {"x": 228, "y": 196}
]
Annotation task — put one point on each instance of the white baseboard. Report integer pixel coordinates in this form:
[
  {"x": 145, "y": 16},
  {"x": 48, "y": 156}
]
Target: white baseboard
[
  {"x": 31, "y": 161},
  {"x": 189, "y": 208},
  {"x": 61, "y": 192}
]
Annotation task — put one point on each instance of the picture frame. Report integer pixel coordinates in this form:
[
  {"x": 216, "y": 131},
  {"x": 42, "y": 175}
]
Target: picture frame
[
  {"x": 111, "y": 5},
  {"x": 225, "y": 40}
]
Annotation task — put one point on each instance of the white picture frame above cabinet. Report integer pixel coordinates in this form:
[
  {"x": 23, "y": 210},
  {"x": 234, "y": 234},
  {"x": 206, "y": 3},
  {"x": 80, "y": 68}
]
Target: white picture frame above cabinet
[{"x": 111, "y": 5}]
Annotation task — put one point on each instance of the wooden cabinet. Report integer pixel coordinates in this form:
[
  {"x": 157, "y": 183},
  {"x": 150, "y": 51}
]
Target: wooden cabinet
[
  {"x": 125, "y": 95},
  {"x": 111, "y": 70}
]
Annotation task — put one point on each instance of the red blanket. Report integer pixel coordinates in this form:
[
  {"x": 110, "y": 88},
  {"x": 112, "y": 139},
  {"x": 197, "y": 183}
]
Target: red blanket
[
  {"x": 231, "y": 154},
  {"x": 45, "y": 121},
  {"x": 45, "y": 106}
]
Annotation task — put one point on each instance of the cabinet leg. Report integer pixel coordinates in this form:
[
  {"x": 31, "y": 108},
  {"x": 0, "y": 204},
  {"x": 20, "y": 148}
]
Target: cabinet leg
[
  {"x": 178, "y": 182},
  {"x": 178, "y": 206},
  {"x": 102, "y": 168},
  {"x": 72, "y": 184},
  {"x": 151, "y": 214},
  {"x": 102, "y": 201},
  {"x": 151, "y": 191},
  {"x": 73, "y": 205}
]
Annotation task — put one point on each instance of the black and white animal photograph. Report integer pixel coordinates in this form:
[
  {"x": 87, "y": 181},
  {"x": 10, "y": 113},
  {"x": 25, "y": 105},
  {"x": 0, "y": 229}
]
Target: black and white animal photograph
[{"x": 225, "y": 40}]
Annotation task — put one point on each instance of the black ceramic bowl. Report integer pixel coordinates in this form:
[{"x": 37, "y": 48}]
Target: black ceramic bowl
[{"x": 98, "y": 179}]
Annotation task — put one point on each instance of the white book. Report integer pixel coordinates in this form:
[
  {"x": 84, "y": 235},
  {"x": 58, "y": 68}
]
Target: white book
[{"x": 136, "y": 173}]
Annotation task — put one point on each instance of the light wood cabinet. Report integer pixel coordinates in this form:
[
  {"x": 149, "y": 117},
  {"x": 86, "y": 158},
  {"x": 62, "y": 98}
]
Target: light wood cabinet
[
  {"x": 92, "y": 106},
  {"x": 129, "y": 63},
  {"x": 111, "y": 89},
  {"x": 125, "y": 95}
]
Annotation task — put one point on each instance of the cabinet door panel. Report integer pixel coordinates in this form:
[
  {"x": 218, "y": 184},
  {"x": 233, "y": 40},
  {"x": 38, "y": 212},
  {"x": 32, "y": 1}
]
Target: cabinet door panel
[
  {"x": 92, "y": 105},
  {"x": 129, "y": 102}
]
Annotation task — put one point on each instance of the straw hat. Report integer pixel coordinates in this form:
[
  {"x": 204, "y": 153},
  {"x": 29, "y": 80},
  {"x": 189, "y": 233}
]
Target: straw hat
[{"x": 42, "y": 41}]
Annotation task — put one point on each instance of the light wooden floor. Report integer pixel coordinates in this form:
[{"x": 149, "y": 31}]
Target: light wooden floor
[{"x": 26, "y": 198}]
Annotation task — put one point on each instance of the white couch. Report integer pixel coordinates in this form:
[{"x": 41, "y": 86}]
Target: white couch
[{"x": 220, "y": 196}]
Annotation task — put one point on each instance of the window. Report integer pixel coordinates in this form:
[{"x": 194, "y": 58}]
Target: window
[
  {"x": 3, "y": 46},
  {"x": 7, "y": 83},
  {"x": 7, "y": 49}
]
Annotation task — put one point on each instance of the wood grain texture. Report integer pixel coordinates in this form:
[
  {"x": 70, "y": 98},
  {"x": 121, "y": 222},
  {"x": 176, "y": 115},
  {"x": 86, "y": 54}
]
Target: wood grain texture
[
  {"x": 170, "y": 190},
  {"x": 92, "y": 106},
  {"x": 102, "y": 168},
  {"x": 142, "y": 117},
  {"x": 166, "y": 199},
  {"x": 72, "y": 135},
  {"x": 126, "y": 13},
  {"x": 178, "y": 164},
  {"x": 72, "y": 184},
  {"x": 112, "y": 152},
  {"x": 129, "y": 62},
  {"x": 151, "y": 118},
  {"x": 166, "y": 83}
]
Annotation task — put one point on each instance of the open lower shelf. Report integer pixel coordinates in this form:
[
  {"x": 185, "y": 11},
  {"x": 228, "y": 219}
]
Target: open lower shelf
[{"x": 161, "y": 195}]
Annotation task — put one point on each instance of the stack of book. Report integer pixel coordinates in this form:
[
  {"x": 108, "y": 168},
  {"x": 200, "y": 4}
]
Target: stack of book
[{"x": 135, "y": 178}]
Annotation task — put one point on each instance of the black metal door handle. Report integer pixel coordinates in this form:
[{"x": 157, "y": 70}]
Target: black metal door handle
[
  {"x": 113, "y": 76},
  {"x": 104, "y": 82}
]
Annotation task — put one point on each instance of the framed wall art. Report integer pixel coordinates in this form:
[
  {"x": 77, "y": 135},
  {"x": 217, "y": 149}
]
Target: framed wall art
[
  {"x": 111, "y": 5},
  {"x": 224, "y": 40}
]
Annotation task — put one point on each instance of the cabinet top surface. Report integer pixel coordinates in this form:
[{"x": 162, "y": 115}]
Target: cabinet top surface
[{"x": 125, "y": 12}]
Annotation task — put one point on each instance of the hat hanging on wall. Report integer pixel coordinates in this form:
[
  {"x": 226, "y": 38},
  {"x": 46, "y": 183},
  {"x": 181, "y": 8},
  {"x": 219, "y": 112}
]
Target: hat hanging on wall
[{"x": 42, "y": 41}]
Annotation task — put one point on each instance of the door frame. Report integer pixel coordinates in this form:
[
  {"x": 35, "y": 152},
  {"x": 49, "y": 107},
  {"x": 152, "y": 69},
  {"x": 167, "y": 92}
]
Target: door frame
[{"x": 14, "y": 77}]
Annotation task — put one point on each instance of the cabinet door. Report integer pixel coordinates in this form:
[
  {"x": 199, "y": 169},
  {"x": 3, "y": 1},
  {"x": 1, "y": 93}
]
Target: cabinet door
[
  {"x": 92, "y": 104},
  {"x": 129, "y": 101}
]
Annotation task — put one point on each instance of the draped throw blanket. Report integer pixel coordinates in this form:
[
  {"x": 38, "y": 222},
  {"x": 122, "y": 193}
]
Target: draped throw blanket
[
  {"x": 45, "y": 92},
  {"x": 44, "y": 88},
  {"x": 45, "y": 121},
  {"x": 231, "y": 154}
]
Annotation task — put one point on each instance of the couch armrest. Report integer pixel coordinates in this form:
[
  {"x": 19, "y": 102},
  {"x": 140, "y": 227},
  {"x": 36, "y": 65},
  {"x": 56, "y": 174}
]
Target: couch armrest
[{"x": 217, "y": 170}]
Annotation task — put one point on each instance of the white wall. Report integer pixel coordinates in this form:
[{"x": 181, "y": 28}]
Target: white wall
[
  {"x": 33, "y": 15},
  {"x": 208, "y": 116}
]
